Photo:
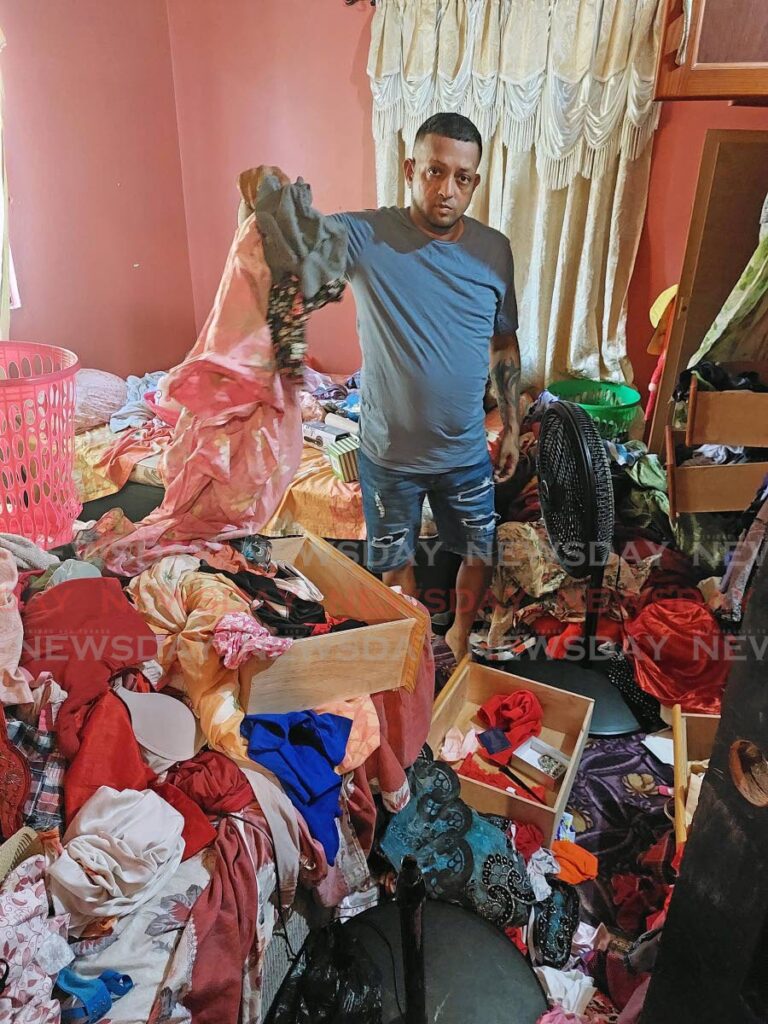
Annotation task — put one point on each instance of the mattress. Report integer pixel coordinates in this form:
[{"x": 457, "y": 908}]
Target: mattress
[{"x": 316, "y": 500}]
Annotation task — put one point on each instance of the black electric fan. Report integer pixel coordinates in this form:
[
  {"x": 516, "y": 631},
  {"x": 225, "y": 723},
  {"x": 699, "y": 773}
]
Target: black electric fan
[
  {"x": 576, "y": 497},
  {"x": 442, "y": 964}
]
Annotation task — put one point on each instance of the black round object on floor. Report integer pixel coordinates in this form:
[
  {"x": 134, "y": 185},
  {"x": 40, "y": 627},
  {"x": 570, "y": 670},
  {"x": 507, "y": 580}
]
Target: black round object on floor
[
  {"x": 473, "y": 972},
  {"x": 610, "y": 717}
]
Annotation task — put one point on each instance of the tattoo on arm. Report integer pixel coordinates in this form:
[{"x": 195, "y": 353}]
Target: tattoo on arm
[{"x": 505, "y": 378}]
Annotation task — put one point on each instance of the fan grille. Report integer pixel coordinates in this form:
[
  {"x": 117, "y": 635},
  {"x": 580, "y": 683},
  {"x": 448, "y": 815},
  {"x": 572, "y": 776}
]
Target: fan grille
[{"x": 575, "y": 489}]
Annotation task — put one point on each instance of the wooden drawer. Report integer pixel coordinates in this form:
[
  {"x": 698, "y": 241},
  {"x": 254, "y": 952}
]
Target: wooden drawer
[
  {"x": 714, "y": 488},
  {"x": 728, "y": 417},
  {"x": 383, "y": 655},
  {"x": 719, "y": 417},
  {"x": 693, "y": 738},
  {"x": 566, "y": 722}
]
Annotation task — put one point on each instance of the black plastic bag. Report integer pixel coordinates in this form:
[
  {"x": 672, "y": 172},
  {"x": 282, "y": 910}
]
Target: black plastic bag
[{"x": 334, "y": 981}]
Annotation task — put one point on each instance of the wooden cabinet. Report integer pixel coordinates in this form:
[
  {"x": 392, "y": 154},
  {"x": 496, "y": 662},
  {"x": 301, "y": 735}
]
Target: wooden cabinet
[
  {"x": 723, "y": 236},
  {"x": 713, "y": 49}
]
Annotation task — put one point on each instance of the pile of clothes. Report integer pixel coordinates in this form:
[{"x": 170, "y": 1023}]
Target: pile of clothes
[
  {"x": 618, "y": 962},
  {"x": 166, "y": 827},
  {"x": 496, "y": 867},
  {"x": 656, "y": 635},
  {"x": 325, "y": 399}
]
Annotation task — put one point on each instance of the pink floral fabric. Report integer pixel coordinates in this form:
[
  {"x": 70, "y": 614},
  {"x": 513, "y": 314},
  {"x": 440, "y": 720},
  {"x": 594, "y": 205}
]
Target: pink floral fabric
[
  {"x": 239, "y": 636},
  {"x": 238, "y": 440},
  {"x": 24, "y": 930}
]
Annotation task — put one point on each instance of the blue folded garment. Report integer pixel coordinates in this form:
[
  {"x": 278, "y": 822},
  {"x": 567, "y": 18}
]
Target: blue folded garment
[{"x": 302, "y": 749}]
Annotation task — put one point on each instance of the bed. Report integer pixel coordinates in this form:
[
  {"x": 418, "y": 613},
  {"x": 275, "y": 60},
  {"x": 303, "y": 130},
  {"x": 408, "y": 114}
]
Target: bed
[
  {"x": 93, "y": 483},
  {"x": 316, "y": 500}
]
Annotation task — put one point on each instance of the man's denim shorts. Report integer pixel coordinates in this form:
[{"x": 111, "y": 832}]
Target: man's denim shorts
[{"x": 462, "y": 502}]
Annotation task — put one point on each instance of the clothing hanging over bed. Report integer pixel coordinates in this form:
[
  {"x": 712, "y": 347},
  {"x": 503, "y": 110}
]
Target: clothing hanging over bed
[{"x": 238, "y": 440}]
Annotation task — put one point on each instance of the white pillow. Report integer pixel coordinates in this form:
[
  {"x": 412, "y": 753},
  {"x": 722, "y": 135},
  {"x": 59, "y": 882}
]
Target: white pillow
[{"x": 98, "y": 395}]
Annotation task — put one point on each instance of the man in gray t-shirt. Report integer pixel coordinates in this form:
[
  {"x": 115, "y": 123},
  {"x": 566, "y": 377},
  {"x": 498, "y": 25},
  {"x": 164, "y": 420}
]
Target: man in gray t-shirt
[{"x": 435, "y": 300}]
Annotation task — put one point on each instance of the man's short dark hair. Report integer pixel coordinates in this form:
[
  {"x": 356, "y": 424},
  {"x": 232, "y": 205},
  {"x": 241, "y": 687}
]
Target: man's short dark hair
[{"x": 451, "y": 126}]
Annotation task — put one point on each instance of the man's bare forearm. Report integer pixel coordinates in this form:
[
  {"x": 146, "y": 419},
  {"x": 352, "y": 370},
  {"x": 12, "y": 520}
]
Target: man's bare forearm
[{"x": 505, "y": 377}]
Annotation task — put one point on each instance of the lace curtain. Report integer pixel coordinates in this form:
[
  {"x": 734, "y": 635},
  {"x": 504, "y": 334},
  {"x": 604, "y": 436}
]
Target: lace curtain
[{"x": 561, "y": 91}]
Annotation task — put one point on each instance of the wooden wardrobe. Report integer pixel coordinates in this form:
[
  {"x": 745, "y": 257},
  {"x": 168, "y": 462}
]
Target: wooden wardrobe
[{"x": 723, "y": 236}]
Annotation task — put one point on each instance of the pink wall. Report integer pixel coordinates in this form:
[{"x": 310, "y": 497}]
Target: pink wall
[
  {"x": 98, "y": 232},
  {"x": 275, "y": 82},
  {"x": 674, "y": 173},
  {"x": 126, "y": 126},
  {"x": 252, "y": 89}
]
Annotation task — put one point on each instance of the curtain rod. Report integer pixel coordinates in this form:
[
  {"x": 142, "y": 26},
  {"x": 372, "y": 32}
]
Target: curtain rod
[{"x": 351, "y": 3}]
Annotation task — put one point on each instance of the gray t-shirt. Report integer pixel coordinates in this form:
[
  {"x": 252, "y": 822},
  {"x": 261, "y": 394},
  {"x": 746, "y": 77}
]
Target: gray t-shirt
[{"x": 426, "y": 312}]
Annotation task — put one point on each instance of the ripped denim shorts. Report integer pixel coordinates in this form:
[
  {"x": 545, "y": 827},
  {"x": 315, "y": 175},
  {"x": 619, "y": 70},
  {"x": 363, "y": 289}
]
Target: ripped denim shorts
[{"x": 462, "y": 502}]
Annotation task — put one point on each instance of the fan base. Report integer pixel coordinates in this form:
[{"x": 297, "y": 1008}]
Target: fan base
[
  {"x": 611, "y": 716},
  {"x": 472, "y": 971}
]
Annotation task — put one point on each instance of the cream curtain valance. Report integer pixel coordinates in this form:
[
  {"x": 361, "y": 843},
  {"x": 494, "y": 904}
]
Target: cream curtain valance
[{"x": 572, "y": 78}]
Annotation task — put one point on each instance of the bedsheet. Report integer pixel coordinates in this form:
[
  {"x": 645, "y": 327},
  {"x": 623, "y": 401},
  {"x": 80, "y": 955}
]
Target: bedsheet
[
  {"x": 317, "y": 500},
  {"x": 92, "y": 483}
]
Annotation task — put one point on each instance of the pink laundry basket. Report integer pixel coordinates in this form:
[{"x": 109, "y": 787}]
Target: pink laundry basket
[{"x": 37, "y": 442}]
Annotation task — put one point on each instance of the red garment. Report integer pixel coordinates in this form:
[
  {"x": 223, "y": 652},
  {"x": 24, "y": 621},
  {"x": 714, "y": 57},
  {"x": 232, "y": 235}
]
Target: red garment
[
  {"x": 635, "y": 548},
  {"x": 610, "y": 972},
  {"x": 528, "y": 839},
  {"x": 679, "y": 654},
  {"x": 108, "y": 755},
  {"x": 517, "y": 714},
  {"x": 636, "y": 896},
  {"x": 362, "y": 810},
  {"x": 607, "y": 629},
  {"x": 198, "y": 831},
  {"x": 547, "y": 625},
  {"x": 659, "y": 859},
  {"x": 224, "y": 921},
  {"x": 515, "y": 935},
  {"x": 470, "y": 768},
  {"x": 15, "y": 773},
  {"x": 214, "y": 782},
  {"x": 83, "y": 632},
  {"x": 672, "y": 576}
]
